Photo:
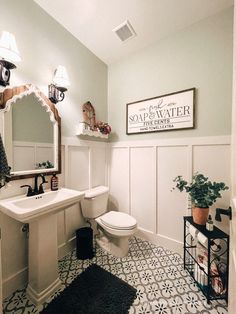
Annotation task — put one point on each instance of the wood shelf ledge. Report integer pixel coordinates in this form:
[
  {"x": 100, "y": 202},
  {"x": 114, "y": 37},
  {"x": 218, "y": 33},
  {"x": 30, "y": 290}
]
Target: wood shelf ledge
[{"x": 81, "y": 130}]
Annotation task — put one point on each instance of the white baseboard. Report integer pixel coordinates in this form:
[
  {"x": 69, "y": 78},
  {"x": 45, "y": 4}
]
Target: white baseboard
[
  {"x": 40, "y": 298},
  {"x": 66, "y": 248},
  {"x": 16, "y": 281},
  {"x": 19, "y": 279},
  {"x": 161, "y": 240}
]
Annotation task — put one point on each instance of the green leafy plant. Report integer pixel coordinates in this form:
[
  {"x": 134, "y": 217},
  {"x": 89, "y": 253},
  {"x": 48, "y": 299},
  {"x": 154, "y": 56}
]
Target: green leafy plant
[
  {"x": 203, "y": 193},
  {"x": 44, "y": 165}
]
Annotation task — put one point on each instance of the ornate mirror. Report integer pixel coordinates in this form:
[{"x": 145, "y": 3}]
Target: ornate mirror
[{"x": 31, "y": 132}]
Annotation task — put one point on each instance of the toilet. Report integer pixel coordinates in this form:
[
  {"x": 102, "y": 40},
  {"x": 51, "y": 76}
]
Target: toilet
[{"x": 114, "y": 228}]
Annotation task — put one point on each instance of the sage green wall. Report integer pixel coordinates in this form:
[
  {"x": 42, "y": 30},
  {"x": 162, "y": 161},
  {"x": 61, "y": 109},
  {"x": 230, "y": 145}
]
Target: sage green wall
[
  {"x": 199, "y": 56},
  {"x": 44, "y": 44}
]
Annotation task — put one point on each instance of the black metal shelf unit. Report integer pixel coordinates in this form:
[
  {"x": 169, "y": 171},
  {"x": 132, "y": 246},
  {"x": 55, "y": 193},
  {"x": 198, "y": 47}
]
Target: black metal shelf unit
[{"x": 206, "y": 258}]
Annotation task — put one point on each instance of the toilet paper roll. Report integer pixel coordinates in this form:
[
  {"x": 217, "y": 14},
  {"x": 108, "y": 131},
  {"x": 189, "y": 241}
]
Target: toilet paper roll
[
  {"x": 193, "y": 231},
  {"x": 202, "y": 239}
]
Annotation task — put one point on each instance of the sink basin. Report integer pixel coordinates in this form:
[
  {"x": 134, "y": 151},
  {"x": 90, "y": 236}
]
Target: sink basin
[
  {"x": 39, "y": 211},
  {"x": 25, "y": 208}
]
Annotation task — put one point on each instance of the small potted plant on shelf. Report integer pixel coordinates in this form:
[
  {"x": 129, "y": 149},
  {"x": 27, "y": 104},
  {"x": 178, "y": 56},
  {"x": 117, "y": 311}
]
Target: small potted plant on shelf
[{"x": 203, "y": 194}]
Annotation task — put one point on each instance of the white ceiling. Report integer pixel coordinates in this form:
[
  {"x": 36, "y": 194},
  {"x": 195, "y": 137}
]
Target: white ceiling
[{"x": 92, "y": 21}]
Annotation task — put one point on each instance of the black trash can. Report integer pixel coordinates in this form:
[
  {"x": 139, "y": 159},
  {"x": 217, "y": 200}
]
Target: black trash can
[{"x": 84, "y": 243}]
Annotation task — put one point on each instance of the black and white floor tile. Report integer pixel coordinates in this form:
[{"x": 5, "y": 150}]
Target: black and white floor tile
[{"x": 163, "y": 286}]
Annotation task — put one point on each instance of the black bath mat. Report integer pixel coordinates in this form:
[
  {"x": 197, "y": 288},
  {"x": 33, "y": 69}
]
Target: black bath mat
[{"x": 95, "y": 291}]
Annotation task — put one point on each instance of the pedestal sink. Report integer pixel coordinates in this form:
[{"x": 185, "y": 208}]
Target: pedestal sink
[{"x": 40, "y": 212}]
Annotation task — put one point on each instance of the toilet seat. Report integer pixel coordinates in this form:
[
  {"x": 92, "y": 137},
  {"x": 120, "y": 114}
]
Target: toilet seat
[
  {"x": 118, "y": 221},
  {"x": 113, "y": 229}
]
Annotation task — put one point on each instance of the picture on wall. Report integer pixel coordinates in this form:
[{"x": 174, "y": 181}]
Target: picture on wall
[{"x": 167, "y": 112}]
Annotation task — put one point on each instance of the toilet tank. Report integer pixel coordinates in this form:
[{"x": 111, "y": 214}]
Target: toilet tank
[{"x": 95, "y": 202}]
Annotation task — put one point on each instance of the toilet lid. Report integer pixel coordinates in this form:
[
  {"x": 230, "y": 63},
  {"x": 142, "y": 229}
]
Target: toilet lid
[{"x": 117, "y": 220}]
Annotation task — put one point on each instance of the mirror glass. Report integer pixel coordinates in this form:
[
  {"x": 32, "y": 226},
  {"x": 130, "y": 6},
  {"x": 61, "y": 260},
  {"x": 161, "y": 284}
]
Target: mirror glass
[{"x": 31, "y": 135}]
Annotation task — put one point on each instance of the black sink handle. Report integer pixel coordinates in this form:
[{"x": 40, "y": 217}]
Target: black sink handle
[
  {"x": 30, "y": 191},
  {"x": 41, "y": 186}
]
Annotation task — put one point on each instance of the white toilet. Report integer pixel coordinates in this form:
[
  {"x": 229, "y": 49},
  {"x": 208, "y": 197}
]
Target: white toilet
[{"x": 114, "y": 228}]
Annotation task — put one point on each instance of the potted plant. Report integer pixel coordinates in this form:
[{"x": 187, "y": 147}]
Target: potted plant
[{"x": 203, "y": 194}]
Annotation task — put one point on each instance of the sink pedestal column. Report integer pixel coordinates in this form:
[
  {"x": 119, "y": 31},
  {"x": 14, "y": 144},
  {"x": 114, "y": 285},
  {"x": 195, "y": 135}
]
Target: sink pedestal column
[{"x": 43, "y": 259}]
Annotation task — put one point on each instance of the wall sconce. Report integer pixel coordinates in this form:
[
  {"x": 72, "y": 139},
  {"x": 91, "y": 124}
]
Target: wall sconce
[
  {"x": 60, "y": 82},
  {"x": 9, "y": 54}
]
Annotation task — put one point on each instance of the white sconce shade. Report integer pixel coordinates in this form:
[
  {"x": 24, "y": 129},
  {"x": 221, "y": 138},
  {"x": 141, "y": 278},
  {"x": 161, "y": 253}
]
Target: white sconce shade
[
  {"x": 60, "y": 82},
  {"x": 8, "y": 48},
  {"x": 61, "y": 78}
]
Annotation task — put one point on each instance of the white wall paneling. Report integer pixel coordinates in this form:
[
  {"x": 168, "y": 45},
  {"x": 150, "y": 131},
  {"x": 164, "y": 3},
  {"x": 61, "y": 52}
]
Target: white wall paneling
[
  {"x": 78, "y": 167},
  {"x": 119, "y": 179},
  {"x": 24, "y": 157},
  {"x": 171, "y": 205},
  {"x": 61, "y": 229},
  {"x": 61, "y": 232},
  {"x": 44, "y": 153},
  {"x": 27, "y": 154},
  {"x": 98, "y": 161},
  {"x": 15, "y": 254},
  {"x": 141, "y": 177},
  {"x": 218, "y": 157},
  {"x": 84, "y": 164},
  {"x": 143, "y": 186}
]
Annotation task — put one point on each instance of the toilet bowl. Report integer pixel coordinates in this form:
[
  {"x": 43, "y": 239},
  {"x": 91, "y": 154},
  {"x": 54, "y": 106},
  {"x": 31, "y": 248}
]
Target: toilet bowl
[{"x": 114, "y": 228}]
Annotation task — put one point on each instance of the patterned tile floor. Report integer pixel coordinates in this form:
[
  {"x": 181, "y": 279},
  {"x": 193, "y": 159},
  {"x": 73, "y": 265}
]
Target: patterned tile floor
[{"x": 163, "y": 286}]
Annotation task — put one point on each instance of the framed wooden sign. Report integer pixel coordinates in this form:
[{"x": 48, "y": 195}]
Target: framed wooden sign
[{"x": 167, "y": 112}]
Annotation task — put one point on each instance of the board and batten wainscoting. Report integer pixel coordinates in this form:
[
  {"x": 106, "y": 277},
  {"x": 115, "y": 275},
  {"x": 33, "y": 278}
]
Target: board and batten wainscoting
[
  {"x": 85, "y": 165},
  {"x": 29, "y": 153},
  {"x": 141, "y": 177}
]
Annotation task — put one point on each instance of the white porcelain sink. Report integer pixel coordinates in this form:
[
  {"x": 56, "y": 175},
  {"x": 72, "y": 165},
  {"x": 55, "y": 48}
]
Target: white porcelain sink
[
  {"x": 40, "y": 212},
  {"x": 26, "y": 208}
]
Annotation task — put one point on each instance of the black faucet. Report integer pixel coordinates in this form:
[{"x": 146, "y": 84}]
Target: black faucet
[
  {"x": 39, "y": 190},
  {"x": 221, "y": 211}
]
